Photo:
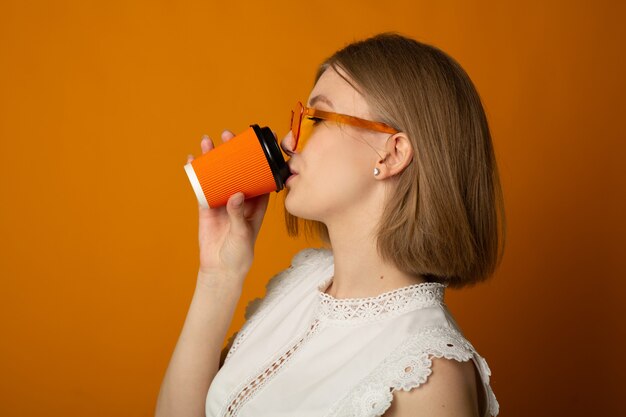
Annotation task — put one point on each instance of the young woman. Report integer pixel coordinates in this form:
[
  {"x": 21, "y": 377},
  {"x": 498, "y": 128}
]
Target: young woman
[{"x": 393, "y": 167}]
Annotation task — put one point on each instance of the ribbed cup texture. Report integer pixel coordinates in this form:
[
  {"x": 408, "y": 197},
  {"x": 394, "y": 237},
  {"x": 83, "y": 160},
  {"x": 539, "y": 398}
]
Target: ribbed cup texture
[{"x": 237, "y": 165}]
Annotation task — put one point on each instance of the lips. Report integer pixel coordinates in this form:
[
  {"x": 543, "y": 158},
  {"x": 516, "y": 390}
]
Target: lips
[
  {"x": 293, "y": 171},
  {"x": 293, "y": 174}
]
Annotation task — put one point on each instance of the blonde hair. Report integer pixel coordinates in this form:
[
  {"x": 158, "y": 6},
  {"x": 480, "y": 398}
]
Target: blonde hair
[{"x": 445, "y": 219}]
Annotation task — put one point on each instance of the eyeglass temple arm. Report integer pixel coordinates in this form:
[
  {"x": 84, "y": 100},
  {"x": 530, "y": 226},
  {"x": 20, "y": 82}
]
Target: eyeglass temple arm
[{"x": 351, "y": 120}]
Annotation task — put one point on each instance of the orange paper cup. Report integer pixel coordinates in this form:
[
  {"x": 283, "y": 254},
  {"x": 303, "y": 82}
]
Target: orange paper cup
[{"x": 251, "y": 162}]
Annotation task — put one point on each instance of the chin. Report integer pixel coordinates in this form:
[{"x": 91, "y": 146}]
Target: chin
[
  {"x": 292, "y": 206},
  {"x": 301, "y": 209}
]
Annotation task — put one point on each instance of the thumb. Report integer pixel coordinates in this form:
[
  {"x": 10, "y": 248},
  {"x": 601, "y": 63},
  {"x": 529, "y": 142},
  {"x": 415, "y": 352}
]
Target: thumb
[{"x": 234, "y": 208}]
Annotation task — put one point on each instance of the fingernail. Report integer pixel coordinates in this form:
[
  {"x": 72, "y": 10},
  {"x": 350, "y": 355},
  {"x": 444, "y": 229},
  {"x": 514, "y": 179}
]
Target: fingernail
[
  {"x": 205, "y": 137},
  {"x": 238, "y": 200}
]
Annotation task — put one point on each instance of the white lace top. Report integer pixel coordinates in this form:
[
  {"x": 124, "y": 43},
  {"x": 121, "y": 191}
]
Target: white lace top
[{"x": 302, "y": 352}]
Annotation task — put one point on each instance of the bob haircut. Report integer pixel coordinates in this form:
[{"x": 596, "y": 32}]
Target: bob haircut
[{"x": 445, "y": 218}]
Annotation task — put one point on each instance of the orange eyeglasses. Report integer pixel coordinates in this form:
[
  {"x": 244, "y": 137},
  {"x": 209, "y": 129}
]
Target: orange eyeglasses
[{"x": 302, "y": 126}]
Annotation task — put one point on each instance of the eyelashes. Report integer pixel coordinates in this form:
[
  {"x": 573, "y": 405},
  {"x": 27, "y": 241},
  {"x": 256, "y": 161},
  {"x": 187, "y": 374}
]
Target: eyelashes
[{"x": 315, "y": 120}]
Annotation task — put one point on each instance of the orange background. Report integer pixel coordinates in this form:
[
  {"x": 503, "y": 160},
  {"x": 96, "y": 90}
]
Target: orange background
[{"x": 100, "y": 103}]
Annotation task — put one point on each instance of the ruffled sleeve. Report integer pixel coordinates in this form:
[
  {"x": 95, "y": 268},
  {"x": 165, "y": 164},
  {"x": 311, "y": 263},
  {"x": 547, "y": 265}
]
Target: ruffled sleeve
[{"x": 408, "y": 367}]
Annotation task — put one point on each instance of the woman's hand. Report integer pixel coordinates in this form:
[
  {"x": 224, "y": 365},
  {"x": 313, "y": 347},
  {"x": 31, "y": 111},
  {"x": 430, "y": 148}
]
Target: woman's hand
[{"x": 227, "y": 234}]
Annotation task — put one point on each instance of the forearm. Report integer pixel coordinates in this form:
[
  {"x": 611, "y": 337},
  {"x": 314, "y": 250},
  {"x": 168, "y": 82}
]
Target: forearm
[{"x": 195, "y": 360}]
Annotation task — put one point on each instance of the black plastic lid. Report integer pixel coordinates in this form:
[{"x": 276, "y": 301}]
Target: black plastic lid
[{"x": 274, "y": 156}]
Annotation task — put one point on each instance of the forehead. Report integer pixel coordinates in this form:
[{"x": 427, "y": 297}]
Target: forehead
[{"x": 345, "y": 99}]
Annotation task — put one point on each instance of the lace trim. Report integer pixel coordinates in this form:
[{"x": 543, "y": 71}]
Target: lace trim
[
  {"x": 409, "y": 367},
  {"x": 254, "y": 384},
  {"x": 388, "y": 304},
  {"x": 275, "y": 288}
]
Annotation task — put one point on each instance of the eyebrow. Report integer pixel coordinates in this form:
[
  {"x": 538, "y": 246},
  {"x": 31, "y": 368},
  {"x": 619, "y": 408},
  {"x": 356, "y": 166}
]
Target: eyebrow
[{"x": 321, "y": 98}]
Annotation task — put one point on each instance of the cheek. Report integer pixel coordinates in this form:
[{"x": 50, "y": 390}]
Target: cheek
[
  {"x": 306, "y": 198},
  {"x": 347, "y": 182},
  {"x": 330, "y": 184},
  {"x": 308, "y": 193},
  {"x": 336, "y": 178},
  {"x": 346, "y": 167}
]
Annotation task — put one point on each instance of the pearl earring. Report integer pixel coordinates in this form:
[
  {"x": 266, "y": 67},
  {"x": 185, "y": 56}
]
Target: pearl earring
[{"x": 376, "y": 172}]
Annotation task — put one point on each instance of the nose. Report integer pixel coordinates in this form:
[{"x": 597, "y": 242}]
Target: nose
[{"x": 288, "y": 144}]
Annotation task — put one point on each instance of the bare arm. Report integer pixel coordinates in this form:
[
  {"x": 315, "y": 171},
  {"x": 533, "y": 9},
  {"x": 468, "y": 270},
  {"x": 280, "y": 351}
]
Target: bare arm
[
  {"x": 226, "y": 238},
  {"x": 196, "y": 358},
  {"x": 450, "y": 391}
]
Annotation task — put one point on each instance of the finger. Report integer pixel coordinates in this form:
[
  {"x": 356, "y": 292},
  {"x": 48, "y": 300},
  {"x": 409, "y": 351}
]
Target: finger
[
  {"x": 206, "y": 144},
  {"x": 189, "y": 158},
  {"x": 227, "y": 135},
  {"x": 235, "y": 208},
  {"x": 259, "y": 211}
]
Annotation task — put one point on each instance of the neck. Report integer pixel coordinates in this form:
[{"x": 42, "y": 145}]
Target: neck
[{"x": 359, "y": 270}]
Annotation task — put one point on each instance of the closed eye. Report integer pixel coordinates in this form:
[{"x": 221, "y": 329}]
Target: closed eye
[{"x": 316, "y": 120}]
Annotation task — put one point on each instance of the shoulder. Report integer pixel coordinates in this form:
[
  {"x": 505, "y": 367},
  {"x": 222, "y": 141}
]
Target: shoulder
[
  {"x": 312, "y": 256},
  {"x": 435, "y": 371},
  {"x": 303, "y": 263},
  {"x": 443, "y": 376},
  {"x": 451, "y": 391}
]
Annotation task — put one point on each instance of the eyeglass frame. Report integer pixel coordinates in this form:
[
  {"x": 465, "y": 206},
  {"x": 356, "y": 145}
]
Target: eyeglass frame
[{"x": 337, "y": 117}]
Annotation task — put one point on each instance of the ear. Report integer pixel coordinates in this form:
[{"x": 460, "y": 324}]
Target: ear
[{"x": 399, "y": 154}]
